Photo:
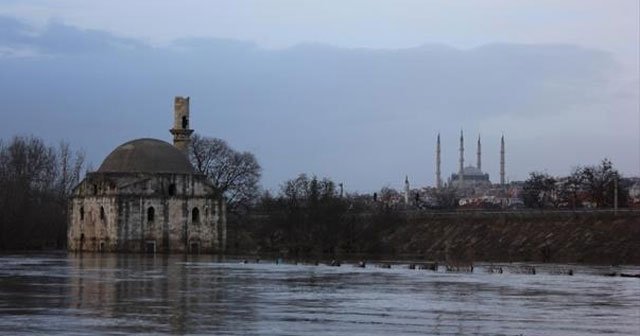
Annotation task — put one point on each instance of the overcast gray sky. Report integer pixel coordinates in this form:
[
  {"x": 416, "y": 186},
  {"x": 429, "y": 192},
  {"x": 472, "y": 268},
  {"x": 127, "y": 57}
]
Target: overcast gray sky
[{"x": 353, "y": 90}]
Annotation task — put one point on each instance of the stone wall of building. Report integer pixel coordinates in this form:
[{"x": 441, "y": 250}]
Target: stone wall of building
[
  {"x": 146, "y": 213},
  {"x": 89, "y": 229},
  {"x": 173, "y": 227}
]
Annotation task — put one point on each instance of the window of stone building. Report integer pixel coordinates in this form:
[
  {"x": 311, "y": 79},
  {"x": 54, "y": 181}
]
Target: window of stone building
[
  {"x": 81, "y": 213},
  {"x": 151, "y": 214},
  {"x": 194, "y": 247},
  {"x": 101, "y": 212},
  {"x": 185, "y": 123},
  {"x": 172, "y": 189},
  {"x": 95, "y": 189},
  {"x": 195, "y": 215},
  {"x": 150, "y": 246}
]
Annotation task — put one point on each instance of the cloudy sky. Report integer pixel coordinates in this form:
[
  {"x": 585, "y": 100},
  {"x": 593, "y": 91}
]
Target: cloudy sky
[{"x": 353, "y": 90}]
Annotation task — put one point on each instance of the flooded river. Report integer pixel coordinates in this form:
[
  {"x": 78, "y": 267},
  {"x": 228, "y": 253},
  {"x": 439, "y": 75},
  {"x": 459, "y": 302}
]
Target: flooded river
[{"x": 62, "y": 294}]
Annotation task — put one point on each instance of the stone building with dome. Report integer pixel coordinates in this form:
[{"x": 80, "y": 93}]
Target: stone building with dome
[
  {"x": 469, "y": 177},
  {"x": 146, "y": 197}
]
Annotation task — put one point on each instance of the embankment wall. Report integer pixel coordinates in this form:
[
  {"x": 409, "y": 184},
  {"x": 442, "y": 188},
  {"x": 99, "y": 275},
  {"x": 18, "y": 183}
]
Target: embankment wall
[{"x": 585, "y": 237}]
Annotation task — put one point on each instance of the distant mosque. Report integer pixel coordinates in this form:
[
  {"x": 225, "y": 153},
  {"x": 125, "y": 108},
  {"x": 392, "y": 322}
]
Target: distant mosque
[{"x": 469, "y": 176}]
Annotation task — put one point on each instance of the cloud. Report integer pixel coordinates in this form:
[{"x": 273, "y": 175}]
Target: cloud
[
  {"x": 57, "y": 38},
  {"x": 364, "y": 116}
]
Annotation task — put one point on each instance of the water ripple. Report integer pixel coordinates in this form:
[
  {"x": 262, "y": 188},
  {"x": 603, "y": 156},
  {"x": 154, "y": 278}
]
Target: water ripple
[{"x": 123, "y": 294}]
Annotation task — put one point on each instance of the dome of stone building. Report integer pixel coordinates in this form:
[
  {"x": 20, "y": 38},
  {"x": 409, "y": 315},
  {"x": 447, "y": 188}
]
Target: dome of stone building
[
  {"x": 471, "y": 171},
  {"x": 146, "y": 156}
]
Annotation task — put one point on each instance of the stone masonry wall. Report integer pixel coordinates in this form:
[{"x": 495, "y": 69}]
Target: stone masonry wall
[{"x": 186, "y": 216}]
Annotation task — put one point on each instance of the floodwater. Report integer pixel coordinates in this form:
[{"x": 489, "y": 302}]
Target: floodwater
[{"x": 122, "y": 294}]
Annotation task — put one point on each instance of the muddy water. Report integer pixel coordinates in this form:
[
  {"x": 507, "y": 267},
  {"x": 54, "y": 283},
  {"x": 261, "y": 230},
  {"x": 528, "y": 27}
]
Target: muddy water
[{"x": 121, "y": 294}]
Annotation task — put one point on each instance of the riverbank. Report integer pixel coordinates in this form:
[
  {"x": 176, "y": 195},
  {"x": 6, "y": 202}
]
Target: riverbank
[
  {"x": 564, "y": 237},
  {"x": 604, "y": 237}
]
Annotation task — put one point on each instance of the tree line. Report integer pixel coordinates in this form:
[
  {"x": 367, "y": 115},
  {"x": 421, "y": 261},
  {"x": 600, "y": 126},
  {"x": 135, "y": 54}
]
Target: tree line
[
  {"x": 596, "y": 186},
  {"x": 310, "y": 216},
  {"x": 36, "y": 181}
]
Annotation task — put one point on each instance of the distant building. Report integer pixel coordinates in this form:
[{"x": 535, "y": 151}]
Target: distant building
[
  {"x": 634, "y": 193},
  {"x": 147, "y": 197},
  {"x": 469, "y": 177}
]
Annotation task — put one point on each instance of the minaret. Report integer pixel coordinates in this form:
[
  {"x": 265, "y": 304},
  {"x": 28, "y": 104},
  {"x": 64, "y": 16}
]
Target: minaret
[
  {"x": 502, "y": 160},
  {"x": 438, "y": 175},
  {"x": 181, "y": 132},
  {"x": 461, "y": 168},
  {"x": 479, "y": 155},
  {"x": 406, "y": 190}
]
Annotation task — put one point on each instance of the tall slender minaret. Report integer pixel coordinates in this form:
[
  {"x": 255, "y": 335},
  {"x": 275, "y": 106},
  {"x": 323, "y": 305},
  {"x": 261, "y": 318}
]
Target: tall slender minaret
[
  {"x": 461, "y": 168},
  {"x": 479, "y": 155},
  {"x": 407, "y": 189},
  {"x": 438, "y": 175},
  {"x": 502, "y": 160},
  {"x": 181, "y": 131}
]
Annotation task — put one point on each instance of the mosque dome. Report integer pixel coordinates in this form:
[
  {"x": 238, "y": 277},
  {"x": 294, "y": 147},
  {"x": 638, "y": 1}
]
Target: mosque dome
[
  {"x": 472, "y": 171},
  {"x": 146, "y": 156}
]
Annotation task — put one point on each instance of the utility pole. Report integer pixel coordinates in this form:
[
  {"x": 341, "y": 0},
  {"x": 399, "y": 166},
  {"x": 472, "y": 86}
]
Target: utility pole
[
  {"x": 461, "y": 168},
  {"x": 502, "y": 172},
  {"x": 438, "y": 175},
  {"x": 615, "y": 195}
]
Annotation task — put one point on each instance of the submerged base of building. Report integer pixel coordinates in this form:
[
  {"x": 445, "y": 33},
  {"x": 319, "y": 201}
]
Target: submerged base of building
[{"x": 146, "y": 213}]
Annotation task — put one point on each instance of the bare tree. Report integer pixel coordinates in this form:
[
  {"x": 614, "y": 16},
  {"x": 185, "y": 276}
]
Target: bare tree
[
  {"x": 538, "y": 190},
  {"x": 446, "y": 198},
  {"x": 600, "y": 184},
  {"x": 69, "y": 168},
  {"x": 234, "y": 174},
  {"x": 35, "y": 183},
  {"x": 296, "y": 190},
  {"x": 387, "y": 194}
]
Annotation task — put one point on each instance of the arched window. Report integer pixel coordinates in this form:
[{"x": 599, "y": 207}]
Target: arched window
[
  {"x": 195, "y": 215},
  {"x": 81, "y": 213},
  {"x": 151, "y": 214},
  {"x": 172, "y": 189},
  {"x": 95, "y": 189},
  {"x": 101, "y": 212}
]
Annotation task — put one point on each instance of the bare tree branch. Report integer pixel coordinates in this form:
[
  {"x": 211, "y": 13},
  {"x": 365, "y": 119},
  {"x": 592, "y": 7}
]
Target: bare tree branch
[{"x": 235, "y": 174}]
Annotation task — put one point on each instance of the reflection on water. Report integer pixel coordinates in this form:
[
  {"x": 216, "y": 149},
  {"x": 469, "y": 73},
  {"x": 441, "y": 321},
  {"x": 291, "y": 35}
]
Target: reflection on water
[{"x": 88, "y": 294}]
